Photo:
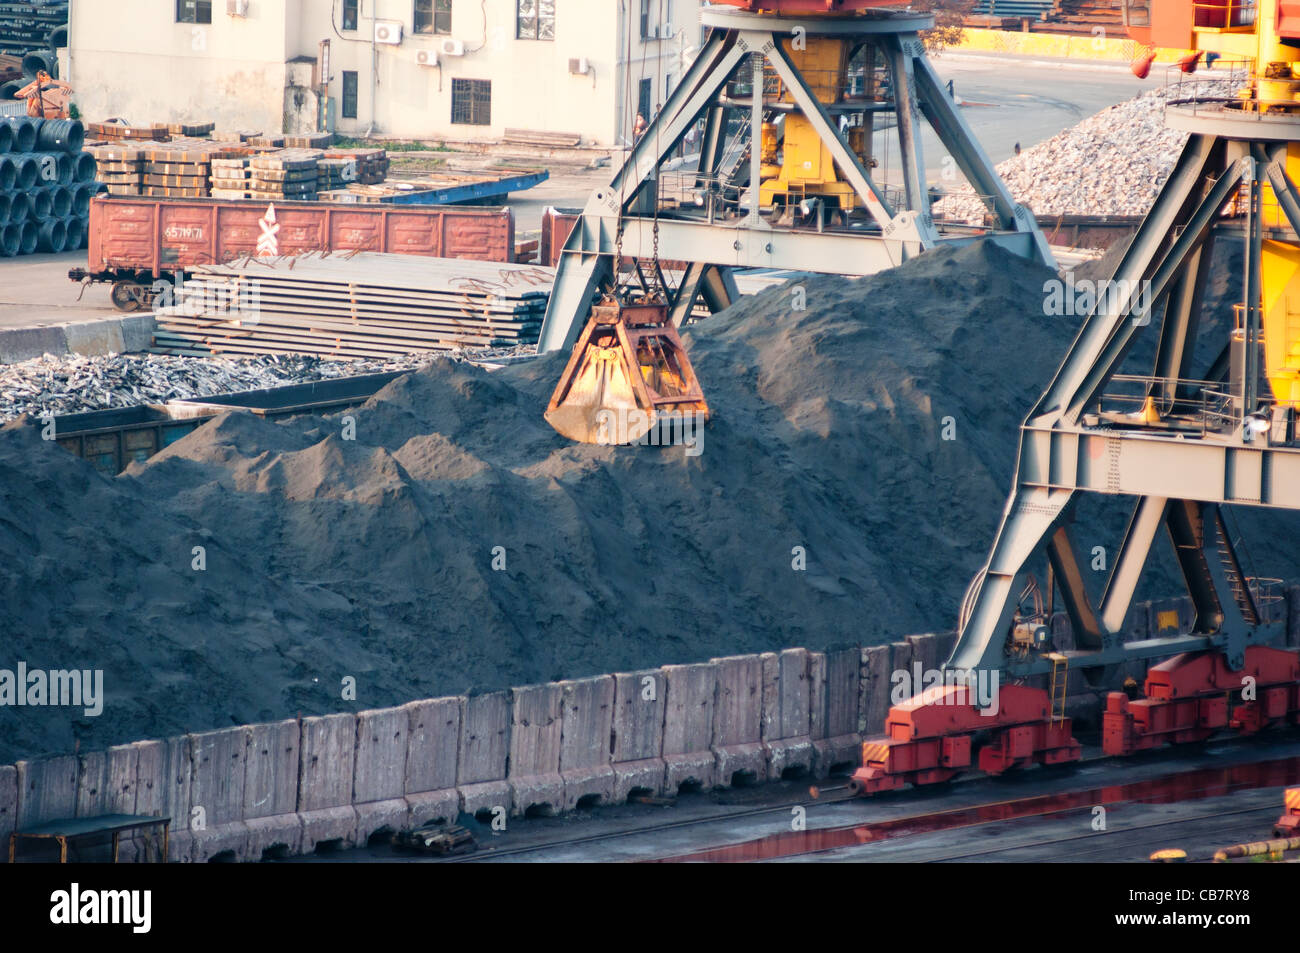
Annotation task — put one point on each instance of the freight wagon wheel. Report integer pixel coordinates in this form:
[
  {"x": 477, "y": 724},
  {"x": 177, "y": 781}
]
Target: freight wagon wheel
[{"x": 129, "y": 295}]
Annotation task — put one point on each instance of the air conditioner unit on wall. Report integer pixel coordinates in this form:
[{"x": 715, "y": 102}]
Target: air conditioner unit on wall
[
  {"x": 388, "y": 31},
  {"x": 236, "y": 8},
  {"x": 452, "y": 47},
  {"x": 579, "y": 67},
  {"x": 426, "y": 58}
]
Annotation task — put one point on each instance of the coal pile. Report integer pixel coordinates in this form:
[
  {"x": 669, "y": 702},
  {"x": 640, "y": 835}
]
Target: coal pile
[{"x": 457, "y": 542}]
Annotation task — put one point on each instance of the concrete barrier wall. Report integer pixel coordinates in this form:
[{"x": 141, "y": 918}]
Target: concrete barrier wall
[{"x": 295, "y": 786}]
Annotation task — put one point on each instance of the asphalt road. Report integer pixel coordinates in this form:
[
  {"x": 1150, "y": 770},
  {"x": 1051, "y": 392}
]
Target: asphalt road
[{"x": 1029, "y": 101}]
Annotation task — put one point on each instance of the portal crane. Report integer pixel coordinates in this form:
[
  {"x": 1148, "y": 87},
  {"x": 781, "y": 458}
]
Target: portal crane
[
  {"x": 794, "y": 102},
  {"x": 1183, "y": 438}
]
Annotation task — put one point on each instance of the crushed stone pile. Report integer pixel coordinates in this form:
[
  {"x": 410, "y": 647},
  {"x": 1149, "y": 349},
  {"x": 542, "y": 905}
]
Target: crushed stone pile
[
  {"x": 1113, "y": 163},
  {"x": 325, "y": 557},
  {"x": 73, "y": 384}
]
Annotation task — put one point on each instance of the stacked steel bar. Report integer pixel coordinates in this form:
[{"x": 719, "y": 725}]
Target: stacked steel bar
[
  {"x": 46, "y": 183},
  {"x": 288, "y": 174},
  {"x": 372, "y": 164},
  {"x": 121, "y": 168},
  {"x": 183, "y": 169},
  {"x": 354, "y": 306},
  {"x": 231, "y": 178}
]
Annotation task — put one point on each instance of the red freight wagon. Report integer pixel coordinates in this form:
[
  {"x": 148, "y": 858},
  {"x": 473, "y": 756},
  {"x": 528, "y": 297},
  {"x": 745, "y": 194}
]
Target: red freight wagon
[{"x": 135, "y": 242}]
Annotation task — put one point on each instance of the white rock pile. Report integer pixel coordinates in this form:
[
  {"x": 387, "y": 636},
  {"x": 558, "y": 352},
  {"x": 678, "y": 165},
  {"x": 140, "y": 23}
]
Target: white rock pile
[
  {"x": 73, "y": 384},
  {"x": 1112, "y": 163}
]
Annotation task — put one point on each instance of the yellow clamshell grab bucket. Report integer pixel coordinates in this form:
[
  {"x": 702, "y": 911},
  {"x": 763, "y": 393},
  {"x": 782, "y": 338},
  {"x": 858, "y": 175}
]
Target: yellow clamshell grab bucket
[{"x": 627, "y": 374}]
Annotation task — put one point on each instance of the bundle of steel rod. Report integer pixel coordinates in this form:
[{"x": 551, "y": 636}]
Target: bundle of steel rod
[{"x": 355, "y": 305}]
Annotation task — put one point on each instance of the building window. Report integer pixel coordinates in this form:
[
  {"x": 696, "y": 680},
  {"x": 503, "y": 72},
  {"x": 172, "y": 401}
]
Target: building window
[
  {"x": 193, "y": 11},
  {"x": 536, "y": 19},
  {"x": 351, "y": 14},
  {"x": 471, "y": 102},
  {"x": 645, "y": 19},
  {"x": 433, "y": 16},
  {"x": 349, "y": 94}
]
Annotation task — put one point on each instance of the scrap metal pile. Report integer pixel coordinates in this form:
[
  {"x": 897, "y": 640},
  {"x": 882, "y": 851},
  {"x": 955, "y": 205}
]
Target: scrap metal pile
[
  {"x": 1112, "y": 163},
  {"x": 69, "y": 385}
]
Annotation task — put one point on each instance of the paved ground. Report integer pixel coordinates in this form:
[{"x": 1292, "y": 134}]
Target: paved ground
[
  {"x": 35, "y": 292},
  {"x": 1162, "y": 806},
  {"x": 1010, "y": 100}
]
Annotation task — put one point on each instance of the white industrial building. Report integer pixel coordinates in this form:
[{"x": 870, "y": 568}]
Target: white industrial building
[{"x": 402, "y": 69}]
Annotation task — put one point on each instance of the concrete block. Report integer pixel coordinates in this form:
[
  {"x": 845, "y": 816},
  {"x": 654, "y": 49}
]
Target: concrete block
[
  {"x": 137, "y": 332},
  {"x": 180, "y": 848},
  {"x": 737, "y": 720},
  {"x": 8, "y": 801},
  {"x": 280, "y": 834},
  {"x": 380, "y": 772},
  {"x": 47, "y": 790},
  {"x": 639, "y": 702},
  {"x": 901, "y": 657},
  {"x": 834, "y": 677},
  {"x": 375, "y": 817},
  {"x": 432, "y": 740},
  {"x": 535, "y": 737},
  {"x": 217, "y": 785},
  {"x": 688, "y": 725},
  {"x": 271, "y": 769},
  {"x": 484, "y": 738},
  {"x": 944, "y": 643},
  {"x": 162, "y": 789},
  {"x": 647, "y": 776},
  {"x": 23, "y": 344},
  {"x": 640, "y": 699},
  {"x": 106, "y": 781},
  {"x": 336, "y": 825},
  {"x": 874, "y": 685},
  {"x": 432, "y": 807},
  {"x": 94, "y": 338},
  {"x": 229, "y": 841},
  {"x": 486, "y": 796},
  {"x": 587, "y": 715},
  {"x": 786, "y": 713},
  {"x": 924, "y": 650},
  {"x": 326, "y": 754}
]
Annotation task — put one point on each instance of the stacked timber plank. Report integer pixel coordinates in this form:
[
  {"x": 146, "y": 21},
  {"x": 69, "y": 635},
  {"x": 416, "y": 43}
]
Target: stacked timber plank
[
  {"x": 359, "y": 305},
  {"x": 288, "y": 174}
]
